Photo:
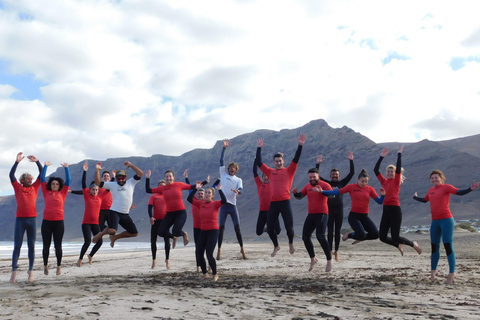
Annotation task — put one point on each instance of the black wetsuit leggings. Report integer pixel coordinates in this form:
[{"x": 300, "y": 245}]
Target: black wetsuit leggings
[
  {"x": 318, "y": 222},
  {"x": 392, "y": 220},
  {"x": 177, "y": 220},
  {"x": 363, "y": 227},
  {"x": 206, "y": 243},
  {"x": 262, "y": 222},
  {"x": 335, "y": 221},
  {"x": 88, "y": 230},
  {"x": 153, "y": 240},
  {"x": 56, "y": 229},
  {"x": 277, "y": 207}
]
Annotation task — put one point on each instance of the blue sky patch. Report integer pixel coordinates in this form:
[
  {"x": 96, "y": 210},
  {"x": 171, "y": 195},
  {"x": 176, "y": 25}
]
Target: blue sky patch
[
  {"x": 393, "y": 55},
  {"x": 457, "y": 63},
  {"x": 28, "y": 87}
]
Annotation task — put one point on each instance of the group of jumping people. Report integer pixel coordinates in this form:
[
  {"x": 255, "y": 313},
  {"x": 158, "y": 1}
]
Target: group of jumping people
[{"x": 109, "y": 198}]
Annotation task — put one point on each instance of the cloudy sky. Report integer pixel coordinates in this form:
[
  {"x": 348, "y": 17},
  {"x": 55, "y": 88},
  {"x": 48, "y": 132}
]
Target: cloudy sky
[{"x": 96, "y": 79}]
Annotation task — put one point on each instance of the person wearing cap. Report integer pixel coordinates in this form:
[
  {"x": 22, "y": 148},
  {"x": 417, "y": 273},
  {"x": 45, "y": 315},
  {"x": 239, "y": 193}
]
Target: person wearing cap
[
  {"x": 26, "y": 192},
  {"x": 281, "y": 179},
  {"x": 122, "y": 199}
]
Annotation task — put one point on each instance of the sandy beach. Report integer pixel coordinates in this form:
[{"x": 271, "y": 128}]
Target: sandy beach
[{"x": 371, "y": 281}]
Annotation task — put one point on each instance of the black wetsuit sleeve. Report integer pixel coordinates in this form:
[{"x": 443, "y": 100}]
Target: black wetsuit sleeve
[
  {"x": 204, "y": 182},
  {"x": 222, "y": 196},
  {"x": 216, "y": 183},
  {"x": 137, "y": 177},
  {"x": 298, "y": 195},
  {"x": 12, "y": 172},
  {"x": 399, "y": 164},
  {"x": 376, "y": 170},
  {"x": 187, "y": 181},
  {"x": 150, "y": 211},
  {"x": 191, "y": 195},
  {"x": 84, "y": 179},
  {"x": 298, "y": 153},
  {"x": 258, "y": 156},
  {"x": 147, "y": 186},
  {"x": 347, "y": 179},
  {"x": 420, "y": 199},
  {"x": 255, "y": 174},
  {"x": 463, "y": 192},
  {"x": 79, "y": 192}
]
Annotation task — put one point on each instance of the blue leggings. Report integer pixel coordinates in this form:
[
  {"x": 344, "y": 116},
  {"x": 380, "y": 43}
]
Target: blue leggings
[
  {"x": 363, "y": 227},
  {"x": 316, "y": 221},
  {"x": 22, "y": 225},
  {"x": 277, "y": 207},
  {"x": 229, "y": 209},
  {"x": 88, "y": 229},
  {"x": 206, "y": 244},
  {"x": 442, "y": 230}
]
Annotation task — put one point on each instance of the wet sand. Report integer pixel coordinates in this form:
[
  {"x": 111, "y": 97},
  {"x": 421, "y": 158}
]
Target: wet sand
[{"x": 371, "y": 281}]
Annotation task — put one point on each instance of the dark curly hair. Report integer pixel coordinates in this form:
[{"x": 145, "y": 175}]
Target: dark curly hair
[{"x": 51, "y": 179}]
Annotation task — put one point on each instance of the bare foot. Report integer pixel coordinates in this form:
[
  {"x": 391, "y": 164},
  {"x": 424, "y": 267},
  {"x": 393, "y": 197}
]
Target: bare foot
[
  {"x": 336, "y": 256},
  {"x": 345, "y": 237},
  {"x": 450, "y": 278},
  {"x": 275, "y": 250},
  {"x": 79, "y": 263},
  {"x": 328, "y": 268},
  {"x": 215, "y": 277},
  {"x": 292, "y": 248},
  {"x": 30, "y": 275},
  {"x": 433, "y": 275},
  {"x": 199, "y": 269},
  {"x": 45, "y": 270},
  {"x": 417, "y": 247},
  {"x": 313, "y": 262},
  {"x": 90, "y": 258},
  {"x": 400, "y": 248},
  {"x": 174, "y": 242},
  {"x": 205, "y": 276},
  {"x": 13, "y": 278},
  {"x": 244, "y": 255},
  {"x": 185, "y": 238},
  {"x": 112, "y": 240},
  {"x": 167, "y": 264},
  {"x": 154, "y": 262},
  {"x": 59, "y": 270},
  {"x": 219, "y": 254},
  {"x": 356, "y": 241}
]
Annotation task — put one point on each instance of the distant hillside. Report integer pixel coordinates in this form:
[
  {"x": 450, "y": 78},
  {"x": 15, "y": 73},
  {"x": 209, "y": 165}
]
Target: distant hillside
[{"x": 459, "y": 159}]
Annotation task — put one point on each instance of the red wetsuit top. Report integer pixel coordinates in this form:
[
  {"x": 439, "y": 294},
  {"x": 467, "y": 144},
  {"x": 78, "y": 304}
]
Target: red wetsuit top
[
  {"x": 439, "y": 198},
  {"x": 317, "y": 202},
  {"x": 197, "y": 224},
  {"x": 159, "y": 206},
  {"x": 54, "y": 203},
  {"x": 172, "y": 193},
  {"x": 392, "y": 189},
  {"x": 92, "y": 207},
  {"x": 264, "y": 191},
  {"x": 360, "y": 196},
  {"x": 208, "y": 213},
  {"x": 26, "y": 199},
  {"x": 106, "y": 198},
  {"x": 281, "y": 180}
]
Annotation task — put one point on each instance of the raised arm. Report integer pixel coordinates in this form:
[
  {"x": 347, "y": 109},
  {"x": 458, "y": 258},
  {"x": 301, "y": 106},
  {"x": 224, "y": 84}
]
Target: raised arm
[
  {"x": 98, "y": 167},
  {"x": 226, "y": 144},
  {"x": 260, "y": 144},
  {"x": 468, "y": 190},
  {"x": 68, "y": 177},
  {"x": 349, "y": 176},
  {"x": 416, "y": 197},
  {"x": 148, "y": 174},
  {"x": 384, "y": 153},
  {"x": 138, "y": 172},
  {"x": 319, "y": 161},
  {"x": 44, "y": 171},
  {"x": 301, "y": 142}
]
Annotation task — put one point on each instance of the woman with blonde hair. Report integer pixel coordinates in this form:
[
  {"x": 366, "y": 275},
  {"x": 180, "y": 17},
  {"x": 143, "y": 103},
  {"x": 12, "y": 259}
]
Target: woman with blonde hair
[{"x": 392, "y": 213}]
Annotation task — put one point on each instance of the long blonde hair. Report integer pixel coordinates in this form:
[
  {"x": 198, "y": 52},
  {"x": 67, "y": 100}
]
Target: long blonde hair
[{"x": 391, "y": 166}]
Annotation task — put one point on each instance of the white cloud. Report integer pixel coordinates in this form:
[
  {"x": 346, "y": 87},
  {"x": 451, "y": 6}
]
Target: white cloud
[{"x": 146, "y": 77}]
